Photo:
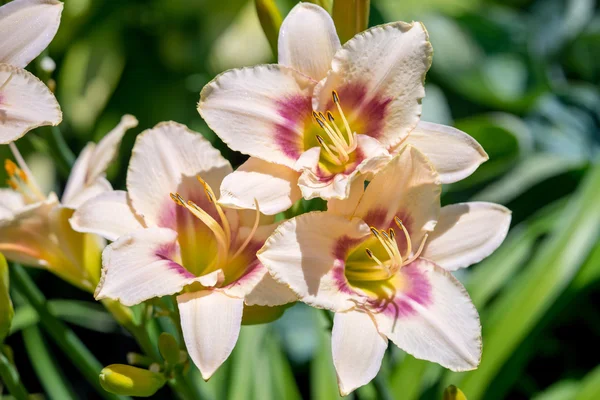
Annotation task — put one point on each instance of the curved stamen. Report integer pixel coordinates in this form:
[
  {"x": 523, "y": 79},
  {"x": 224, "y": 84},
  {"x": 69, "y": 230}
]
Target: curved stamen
[
  {"x": 336, "y": 100},
  {"x": 251, "y": 235},
  {"x": 332, "y": 156},
  {"x": 408, "y": 241},
  {"x": 211, "y": 197},
  {"x": 217, "y": 230}
]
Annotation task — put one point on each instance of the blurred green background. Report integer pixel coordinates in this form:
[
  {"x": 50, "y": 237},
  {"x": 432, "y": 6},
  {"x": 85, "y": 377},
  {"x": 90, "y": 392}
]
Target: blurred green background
[{"x": 520, "y": 76}]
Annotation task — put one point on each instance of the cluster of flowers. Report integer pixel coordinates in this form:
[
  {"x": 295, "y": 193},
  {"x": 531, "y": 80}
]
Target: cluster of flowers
[{"x": 339, "y": 122}]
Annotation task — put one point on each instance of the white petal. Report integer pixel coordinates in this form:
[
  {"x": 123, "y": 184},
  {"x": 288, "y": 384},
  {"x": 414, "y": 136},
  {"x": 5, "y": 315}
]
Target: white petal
[
  {"x": 211, "y": 323},
  {"x": 167, "y": 159},
  {"x": 140, "y": 266},
  {"x": 109, "y": 215},
  {"x": 25, "y": 104},
  {"x": 274, "y": 186},
  {"x": 87, "y": 178},
  {"x": 432, "y": 318},
  {"x": 467, "y": 233},
  {"x": 308, "y": 40},
  {"x": 107, "y": 148},
  {"x": 454, "y": 154},
  {"x": 347, "y": 207},
  {"x": 10, "y": 202},
  {"x": 304, "y": 253},
  {"x": 373, "y": 156},
  {"x": 408, "y": 187},
  {"x": 260, "y": 111},
  {"x": 26, "y": 29},
  {"x": 379, "y": 77},
  {"x": 357, "y": 348}
]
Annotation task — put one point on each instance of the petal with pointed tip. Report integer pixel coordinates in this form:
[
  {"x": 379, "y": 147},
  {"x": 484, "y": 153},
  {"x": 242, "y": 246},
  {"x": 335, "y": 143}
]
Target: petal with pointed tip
[
  {"x": 25, "y": 103},
  {"x": 430, "y": 316},
  {"x": 454, "y": 154},
  {"x": 211, "y": 322},
  {"x": 26, "y": 29},
  {"x": 357, "y": 348},
  {"x": 467, "y": 233}
]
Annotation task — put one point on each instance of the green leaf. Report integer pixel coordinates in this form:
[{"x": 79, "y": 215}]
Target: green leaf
[
  {"x": 504, "y": 137},
  {"x": 322, "y": 372},
  {"x": 45, "y": 365},
  {"x": 532, "y": 293},
  {"x": 6, "y": 308}
]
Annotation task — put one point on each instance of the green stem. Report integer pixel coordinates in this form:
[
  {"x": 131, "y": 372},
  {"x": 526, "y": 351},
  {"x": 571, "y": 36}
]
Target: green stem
[
  {"x": 64, "y": 151},
  {"x": 182, "y": 387},
  {"x": 10, "y": 377},
  {"x": 64, "y": 337}
]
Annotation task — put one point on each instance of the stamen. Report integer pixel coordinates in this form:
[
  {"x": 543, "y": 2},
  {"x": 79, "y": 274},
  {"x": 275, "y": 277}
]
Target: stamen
[
  {"x": 336, "y": 100},
  {"x": 408, "y": 241},
  {"x": 332, "y": 156},
  {"x": 30, "y": 182},
  {"x": 419, "y": 250},
  {"x": 339, "y": 142},
  {"x": 251, "y": 235},
  {"x": 212, "y": 198},
  {"x": 383, "y": 242},
  {"x": 217, "y": 230}
]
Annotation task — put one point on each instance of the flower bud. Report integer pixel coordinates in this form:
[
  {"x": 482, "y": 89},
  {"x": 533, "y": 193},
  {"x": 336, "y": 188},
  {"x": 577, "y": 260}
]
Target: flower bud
[
  {"x": 453, "y": 393},
  {"x": 130, "y": 381},
  {"x": 169, "y": 348}
]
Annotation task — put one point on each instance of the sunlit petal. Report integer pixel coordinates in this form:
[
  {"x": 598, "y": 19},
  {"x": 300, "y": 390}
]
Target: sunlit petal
[
  {"x": 357, "y": 348},
  {"x": 25, "y": 103},
  {"x": 26, "y": 29},
  {"x": 454, "y": 154},
  {"x": 308, "y": 40},
  {"x": 467, "y": 233}
]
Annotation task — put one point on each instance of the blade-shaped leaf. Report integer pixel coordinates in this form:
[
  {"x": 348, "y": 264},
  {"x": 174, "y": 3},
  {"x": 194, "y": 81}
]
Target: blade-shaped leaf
[{"x": 6, "y": 308}]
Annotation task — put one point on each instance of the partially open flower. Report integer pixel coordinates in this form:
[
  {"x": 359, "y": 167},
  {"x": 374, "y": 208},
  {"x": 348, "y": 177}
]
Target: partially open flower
[
  {"x": 380, "y": 261},
  {"x": 35, "y": 229},
  {"x": 171, "y": 236},
  {"x": 328, "y": 115},
  {"x": 26, "y": 29}
]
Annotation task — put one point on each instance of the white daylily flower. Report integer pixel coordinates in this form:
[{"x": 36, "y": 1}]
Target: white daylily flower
[
  {"x": 34, "y": 228},
  {"x": 171, "y": 237},
  {"x": 327, "y": 114},
  {"x": 26, "y": 29},
  {"x": 381, "y": 260}
]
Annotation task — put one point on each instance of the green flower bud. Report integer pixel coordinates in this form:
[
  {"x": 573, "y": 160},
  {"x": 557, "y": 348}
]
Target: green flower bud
[
  {"x": 453, "y": 393},
  {"x": 169, "y": 348},
  {"x": 130, "y": 381}
]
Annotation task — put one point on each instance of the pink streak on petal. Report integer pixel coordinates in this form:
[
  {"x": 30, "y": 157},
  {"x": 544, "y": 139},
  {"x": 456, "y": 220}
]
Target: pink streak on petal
[
  {"x": 370, "y": 111},
  {"x": 167, "y": 252},
  {"x": 295, "y": 110},
  {"x": 340, "y": 252},
  {"x": 418, "y": 289}
]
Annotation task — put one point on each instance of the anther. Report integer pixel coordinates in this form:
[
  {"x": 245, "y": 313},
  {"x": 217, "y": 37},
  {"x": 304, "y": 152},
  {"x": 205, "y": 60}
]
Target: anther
[
  {"x": 330, "y": 116},
  {"x": 336, "y": 98},
  {"x": 177, "y": 198}
]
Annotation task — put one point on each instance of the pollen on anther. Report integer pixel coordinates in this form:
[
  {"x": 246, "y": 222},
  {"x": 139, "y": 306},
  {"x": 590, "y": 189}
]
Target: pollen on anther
[
  {"x": 369, "y": 253},
  {"x": 336, "y": 98},
  {"x": 176, "y": 198}
]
